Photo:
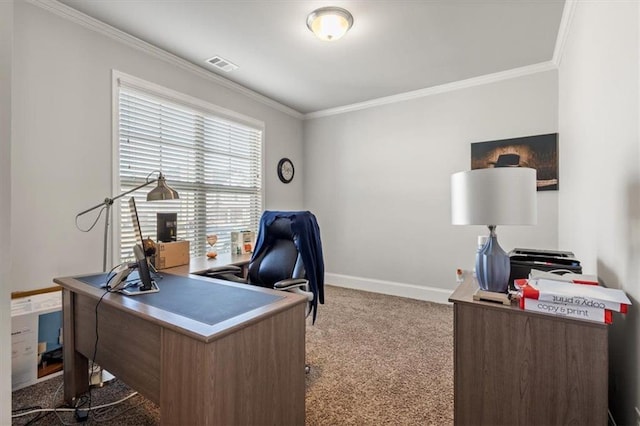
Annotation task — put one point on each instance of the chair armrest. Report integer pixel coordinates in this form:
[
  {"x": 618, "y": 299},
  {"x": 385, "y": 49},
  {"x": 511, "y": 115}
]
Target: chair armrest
[
  {"x": 227, "y": 269},
  {"x": 290, "y": 283},
  {"x": 228, "y": 272},
  {"x": 295, "y": 285}
]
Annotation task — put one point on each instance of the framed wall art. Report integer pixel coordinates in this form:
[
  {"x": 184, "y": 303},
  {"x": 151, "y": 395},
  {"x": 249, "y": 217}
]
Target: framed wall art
[{"x": 539, "y": 152}]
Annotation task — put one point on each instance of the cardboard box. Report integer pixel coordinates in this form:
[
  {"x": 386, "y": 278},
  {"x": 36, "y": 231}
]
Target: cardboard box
[
  {"x": 168, "y": 255},
  {"x": 242, "y": 242},
  {"x": 36, "y": 338}
]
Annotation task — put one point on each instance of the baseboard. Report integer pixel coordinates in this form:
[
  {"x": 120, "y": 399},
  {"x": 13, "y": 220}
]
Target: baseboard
[{"x": 412, "y": 291}]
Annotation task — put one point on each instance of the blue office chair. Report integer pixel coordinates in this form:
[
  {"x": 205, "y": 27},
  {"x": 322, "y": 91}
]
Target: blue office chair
[{"x": 287, "y": 256}]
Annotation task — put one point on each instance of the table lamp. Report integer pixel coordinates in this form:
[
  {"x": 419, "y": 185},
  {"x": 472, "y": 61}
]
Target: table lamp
[
  {"x": 494, "y": 196},
  {"x": 161, "y": 192}
]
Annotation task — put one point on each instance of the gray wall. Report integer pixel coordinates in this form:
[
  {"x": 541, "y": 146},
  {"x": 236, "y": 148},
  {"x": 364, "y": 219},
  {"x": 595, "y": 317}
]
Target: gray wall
[
  {"x": 6, "y": 32},
  {"x": 58, "y": 160},
  {"x": 62, "y": 146},
  {"x": 599, "y": 205},
  {"x": 379, "y": 181}
]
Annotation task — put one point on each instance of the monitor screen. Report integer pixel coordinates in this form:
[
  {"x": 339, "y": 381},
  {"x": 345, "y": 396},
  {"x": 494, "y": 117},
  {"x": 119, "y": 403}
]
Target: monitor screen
[{"x": 136, "y": 222}]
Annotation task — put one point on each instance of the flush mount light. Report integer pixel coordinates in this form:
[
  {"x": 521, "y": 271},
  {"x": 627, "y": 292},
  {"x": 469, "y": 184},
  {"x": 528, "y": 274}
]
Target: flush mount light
[{"x": 329, "y": 23}]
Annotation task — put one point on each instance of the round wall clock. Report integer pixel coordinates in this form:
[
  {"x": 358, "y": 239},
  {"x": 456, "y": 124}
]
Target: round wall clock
[{"x": 285, "y": 170}]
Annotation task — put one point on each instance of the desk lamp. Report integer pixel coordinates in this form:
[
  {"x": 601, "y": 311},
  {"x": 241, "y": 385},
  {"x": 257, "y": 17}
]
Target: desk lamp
[
  {"x": 161, "y": 192},
  {"x": 494, "y": 196}
]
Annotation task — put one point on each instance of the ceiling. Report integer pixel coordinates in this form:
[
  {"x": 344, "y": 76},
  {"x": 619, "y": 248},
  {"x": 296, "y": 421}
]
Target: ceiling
[{"x": 394, "y": 46}]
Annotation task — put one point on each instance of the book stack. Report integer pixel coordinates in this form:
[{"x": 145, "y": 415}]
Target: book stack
[{"x": 571, "y": 295}]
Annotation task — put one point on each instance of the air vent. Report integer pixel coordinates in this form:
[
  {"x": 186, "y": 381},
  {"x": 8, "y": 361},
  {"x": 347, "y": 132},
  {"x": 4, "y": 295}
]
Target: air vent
[{"x": 222, "y": 64}]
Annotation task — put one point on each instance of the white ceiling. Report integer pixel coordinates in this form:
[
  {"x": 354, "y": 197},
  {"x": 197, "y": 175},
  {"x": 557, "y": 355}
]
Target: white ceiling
[{"x": 394, "y": 46}]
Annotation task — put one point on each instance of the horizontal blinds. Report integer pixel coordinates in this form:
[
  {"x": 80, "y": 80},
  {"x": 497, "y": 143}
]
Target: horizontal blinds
[{"x": 214, "y": 164}]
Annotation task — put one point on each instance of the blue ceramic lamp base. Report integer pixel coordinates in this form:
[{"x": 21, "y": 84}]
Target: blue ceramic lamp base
[{"x": 493, "y": 266}]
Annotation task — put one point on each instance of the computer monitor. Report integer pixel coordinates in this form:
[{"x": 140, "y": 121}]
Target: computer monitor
[
  {"x": 136, "y": 222},
  {"x": 143, "y": 268},
  {"x": 166, "y": 223},
  {"x": 147, "y": 284}
]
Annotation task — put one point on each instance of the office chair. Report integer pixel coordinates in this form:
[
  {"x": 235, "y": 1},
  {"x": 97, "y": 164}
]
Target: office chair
[{"x": 287, "y": 256}]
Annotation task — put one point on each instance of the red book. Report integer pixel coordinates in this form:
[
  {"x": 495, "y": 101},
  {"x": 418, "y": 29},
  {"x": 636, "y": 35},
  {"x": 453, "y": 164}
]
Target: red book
[{"x": 578, "y": 295}]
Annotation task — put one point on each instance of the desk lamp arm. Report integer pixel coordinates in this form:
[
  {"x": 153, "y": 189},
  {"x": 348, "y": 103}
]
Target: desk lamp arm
[{"x": 106, "y": 204}]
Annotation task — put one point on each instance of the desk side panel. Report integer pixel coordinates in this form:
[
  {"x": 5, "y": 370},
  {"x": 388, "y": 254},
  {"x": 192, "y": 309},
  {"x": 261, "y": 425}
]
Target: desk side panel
[
  {"x": 519, "y": 368},
  {"x": 128, "y": 346},
  {"x": 254, "y": 376}
]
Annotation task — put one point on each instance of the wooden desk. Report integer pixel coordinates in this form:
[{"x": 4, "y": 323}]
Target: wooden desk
[
  {"x": 515, "y": 367},
  {"x": 248, "y": 369},
  {"x": 202, "y": 263}
]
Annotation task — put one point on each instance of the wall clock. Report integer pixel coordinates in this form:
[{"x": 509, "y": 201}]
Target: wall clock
[{"x": 285, "y": 170}]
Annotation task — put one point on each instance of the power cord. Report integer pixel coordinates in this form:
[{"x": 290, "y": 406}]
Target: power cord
[
  {"x": 29, "y": 410},
  {"x": 110, "y": 276},
  {"x": 94, "y": 222},
  {"x": 82, "y": 414},
  {"x": 58, "y": 410},
  {"x": 102, "y": 411}
]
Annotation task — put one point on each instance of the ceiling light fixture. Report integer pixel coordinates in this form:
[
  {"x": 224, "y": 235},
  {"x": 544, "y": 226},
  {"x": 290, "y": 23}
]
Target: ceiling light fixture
[{"x": 329, "y": 23}]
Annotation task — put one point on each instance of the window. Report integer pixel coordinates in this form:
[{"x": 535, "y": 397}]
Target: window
[{"x": 214, "y": 162}]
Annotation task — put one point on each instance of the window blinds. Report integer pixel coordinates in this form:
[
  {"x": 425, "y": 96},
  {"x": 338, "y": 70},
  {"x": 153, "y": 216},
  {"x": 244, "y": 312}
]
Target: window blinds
[{"x": 214, "y": 163}]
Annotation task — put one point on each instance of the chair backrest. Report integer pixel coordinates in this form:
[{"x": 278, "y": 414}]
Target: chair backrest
[{"x": 280, "y": 259}]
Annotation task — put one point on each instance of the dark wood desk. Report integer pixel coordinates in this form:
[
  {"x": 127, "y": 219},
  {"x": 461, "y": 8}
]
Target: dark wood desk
[
  {"x": 200, "y": 264},
  {"x": 248, "y": 369},
  {"x": 515, "y": 367}
]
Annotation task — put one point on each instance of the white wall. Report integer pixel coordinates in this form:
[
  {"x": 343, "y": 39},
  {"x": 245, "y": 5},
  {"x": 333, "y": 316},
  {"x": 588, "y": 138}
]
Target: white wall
[
  {"x": 378, "y": 180},
  {"x": 599, "y": 205},
  {"x": 6, "y": 56},
  {"x": 61, "y": 152}
]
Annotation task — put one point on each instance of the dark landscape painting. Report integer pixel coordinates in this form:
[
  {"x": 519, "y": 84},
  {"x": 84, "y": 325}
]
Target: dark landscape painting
[{"x": 538, "y": 152}]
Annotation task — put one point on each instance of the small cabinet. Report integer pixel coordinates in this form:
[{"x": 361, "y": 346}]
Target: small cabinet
[{"x": 515, "y": 367}]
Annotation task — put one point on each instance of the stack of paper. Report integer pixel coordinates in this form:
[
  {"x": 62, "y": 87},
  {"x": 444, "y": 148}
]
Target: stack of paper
[{"x": 572, "y": 299}]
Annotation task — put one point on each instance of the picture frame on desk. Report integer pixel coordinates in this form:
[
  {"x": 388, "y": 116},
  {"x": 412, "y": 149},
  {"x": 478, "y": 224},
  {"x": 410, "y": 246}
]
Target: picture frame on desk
[{"x": 492, "y": 296}]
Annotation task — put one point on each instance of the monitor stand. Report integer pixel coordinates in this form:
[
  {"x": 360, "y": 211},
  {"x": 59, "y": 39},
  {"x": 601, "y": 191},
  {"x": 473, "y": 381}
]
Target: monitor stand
[{"x": 135, "y": 290}]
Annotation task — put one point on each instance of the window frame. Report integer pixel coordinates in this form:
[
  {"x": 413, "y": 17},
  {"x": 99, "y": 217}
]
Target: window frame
[{"x": 119, "y": 80}]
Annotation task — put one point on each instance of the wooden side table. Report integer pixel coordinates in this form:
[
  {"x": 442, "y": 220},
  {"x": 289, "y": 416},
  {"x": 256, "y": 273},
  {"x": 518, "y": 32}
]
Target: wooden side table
[{"x": 515, "y": 367}]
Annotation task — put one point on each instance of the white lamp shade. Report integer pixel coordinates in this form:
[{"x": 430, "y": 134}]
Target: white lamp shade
[{"x": 494, "y": 196}]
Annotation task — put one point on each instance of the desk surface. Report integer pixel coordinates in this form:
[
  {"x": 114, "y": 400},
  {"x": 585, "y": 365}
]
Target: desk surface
[
  {"x": 183, "y": 324},
  {"x": 463, "y": 294},
  {"x": 202, "y": 263}
]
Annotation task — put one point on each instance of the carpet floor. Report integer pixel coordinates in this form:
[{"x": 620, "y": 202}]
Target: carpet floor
[{"x": 375, "y": 359}]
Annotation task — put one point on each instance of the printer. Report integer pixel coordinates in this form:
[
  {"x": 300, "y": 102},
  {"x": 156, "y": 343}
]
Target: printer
[{"x": 524, "y": 260}]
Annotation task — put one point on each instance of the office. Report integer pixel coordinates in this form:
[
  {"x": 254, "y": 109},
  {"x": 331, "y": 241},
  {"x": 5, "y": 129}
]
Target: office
[{"x": 590, "y": 99}]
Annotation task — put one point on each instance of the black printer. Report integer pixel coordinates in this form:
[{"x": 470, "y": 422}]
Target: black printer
[{"x": 524, "y": 260}]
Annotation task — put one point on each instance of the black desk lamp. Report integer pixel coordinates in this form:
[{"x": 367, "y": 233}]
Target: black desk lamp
[{"x": 161, "y": 192}]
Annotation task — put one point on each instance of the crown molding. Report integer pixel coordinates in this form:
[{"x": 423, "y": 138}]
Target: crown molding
[
  {"x": 563, "y": 31},
  {"x": 86, "y": 21},
  {"x": 449, "y": 87}
]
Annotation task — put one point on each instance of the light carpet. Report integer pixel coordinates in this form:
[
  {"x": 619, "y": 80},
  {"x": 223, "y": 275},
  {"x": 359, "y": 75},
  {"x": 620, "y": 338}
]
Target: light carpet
[{"x": 375, "y": 360}]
